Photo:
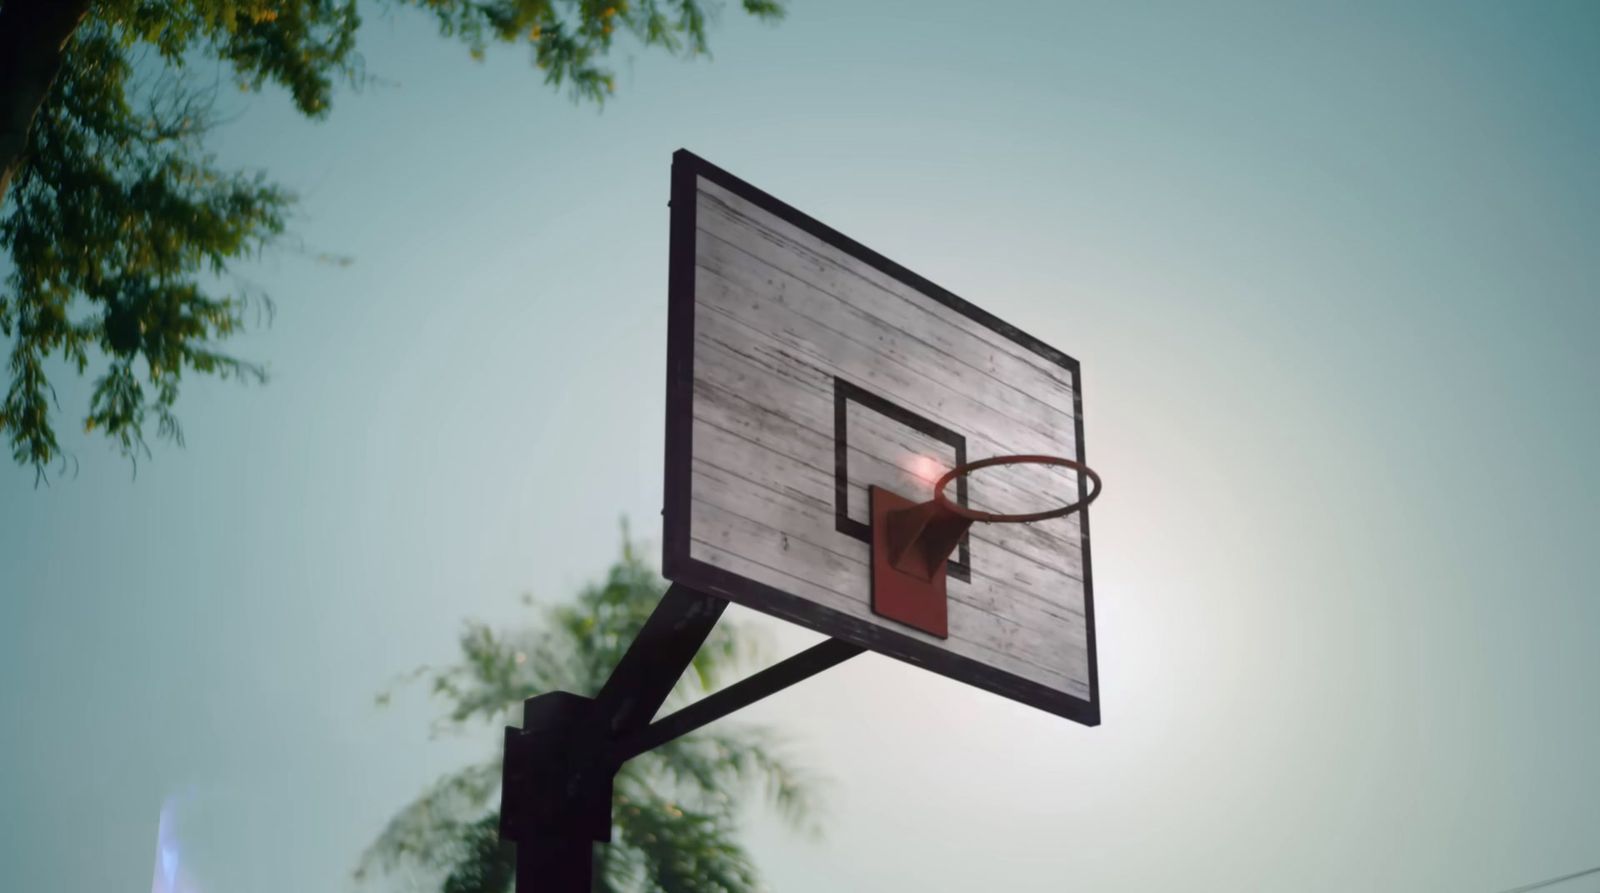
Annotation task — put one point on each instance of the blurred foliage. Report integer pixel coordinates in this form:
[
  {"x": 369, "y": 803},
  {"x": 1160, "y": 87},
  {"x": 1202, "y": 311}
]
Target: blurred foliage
[
  {"x": 120, "y": 229},
  {"x": 674, "y": 809}
]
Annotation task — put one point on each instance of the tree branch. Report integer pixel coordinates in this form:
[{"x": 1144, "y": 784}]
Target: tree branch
[{"x": 33, "y": 41}]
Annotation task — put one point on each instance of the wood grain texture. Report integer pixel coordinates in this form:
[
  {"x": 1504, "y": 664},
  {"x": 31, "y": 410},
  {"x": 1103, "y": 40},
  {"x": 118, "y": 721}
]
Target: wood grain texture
[{"x": 779, "y": 315}]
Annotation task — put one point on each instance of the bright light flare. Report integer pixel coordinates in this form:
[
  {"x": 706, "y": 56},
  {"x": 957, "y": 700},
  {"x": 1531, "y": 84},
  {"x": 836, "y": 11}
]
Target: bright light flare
[
  {"x": 924, "y": 468},
  {"x": 170, "y": 874}
]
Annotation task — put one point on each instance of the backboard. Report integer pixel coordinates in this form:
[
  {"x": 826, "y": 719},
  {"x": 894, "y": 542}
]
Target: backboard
[{"x": 802, "y": 370}]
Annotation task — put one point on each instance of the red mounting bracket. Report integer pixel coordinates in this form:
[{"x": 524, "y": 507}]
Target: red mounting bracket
[{"x": 911, "y": 546}]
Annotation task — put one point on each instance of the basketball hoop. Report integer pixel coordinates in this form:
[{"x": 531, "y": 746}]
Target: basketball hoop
[
  {"x": 912, "y": 541},
  {"x": 1027, "y": 518}
]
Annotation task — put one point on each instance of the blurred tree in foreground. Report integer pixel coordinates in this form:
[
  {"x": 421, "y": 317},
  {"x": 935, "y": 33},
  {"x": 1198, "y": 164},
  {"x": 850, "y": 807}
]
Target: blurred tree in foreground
[
  {"x": 119, "y": 227},
  {"x": 674, "y": 808}
]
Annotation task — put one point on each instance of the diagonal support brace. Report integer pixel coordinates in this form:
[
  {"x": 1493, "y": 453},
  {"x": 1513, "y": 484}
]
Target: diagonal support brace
[{"x": 743, "y": 693}]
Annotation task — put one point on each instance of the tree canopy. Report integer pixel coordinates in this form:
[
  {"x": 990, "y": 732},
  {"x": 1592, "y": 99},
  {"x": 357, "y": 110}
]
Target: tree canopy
[
  {"x": 119, "y": 228},
  {"x": 674, "y": 808}
]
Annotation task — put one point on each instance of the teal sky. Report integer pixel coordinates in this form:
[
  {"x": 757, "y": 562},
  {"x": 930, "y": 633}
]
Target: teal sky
[{"x": 1330, "y": 271}]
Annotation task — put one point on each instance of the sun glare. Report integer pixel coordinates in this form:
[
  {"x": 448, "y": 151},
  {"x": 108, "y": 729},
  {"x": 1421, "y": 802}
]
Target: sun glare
[{"x": 925, "y": 468}]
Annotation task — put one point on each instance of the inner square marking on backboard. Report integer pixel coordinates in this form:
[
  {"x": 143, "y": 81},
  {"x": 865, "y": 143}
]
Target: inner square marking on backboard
[{"x": 845, "y": 393}]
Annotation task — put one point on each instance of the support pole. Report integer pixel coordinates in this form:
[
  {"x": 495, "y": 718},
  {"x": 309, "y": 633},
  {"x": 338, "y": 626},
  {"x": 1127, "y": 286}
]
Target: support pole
[
  {"x": 556, "y": 864},
  {"x": 555, "y": 800},
  {"x": 556, "y": 782},
  {"x": 556, "y": 787}
]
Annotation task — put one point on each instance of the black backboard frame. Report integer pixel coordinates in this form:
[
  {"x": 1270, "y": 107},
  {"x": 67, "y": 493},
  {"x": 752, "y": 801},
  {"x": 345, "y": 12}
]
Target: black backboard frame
[{"x": 681, "y": 567}]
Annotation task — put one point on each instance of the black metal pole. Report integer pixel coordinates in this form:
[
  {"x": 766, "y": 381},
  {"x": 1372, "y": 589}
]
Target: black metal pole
[
  {"x": 555, "y": 865},
  {"x": 555, "y": 799},
  {"x": 556, "y": 787}
]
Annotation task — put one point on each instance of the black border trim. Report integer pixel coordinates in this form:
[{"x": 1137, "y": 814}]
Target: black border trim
[
  {"x": 678, "y": 566},
  {"x": 844, "y": 393}
]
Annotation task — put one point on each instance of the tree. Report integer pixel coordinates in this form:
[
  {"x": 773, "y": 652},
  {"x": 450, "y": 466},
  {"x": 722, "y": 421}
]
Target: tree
[
  {"x": 674, "y": 808},
  {"x": 119, "y": 228}
]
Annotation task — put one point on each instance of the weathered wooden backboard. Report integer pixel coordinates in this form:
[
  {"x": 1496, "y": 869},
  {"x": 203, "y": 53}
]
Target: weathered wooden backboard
[{"x": 802, "y": 368}]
